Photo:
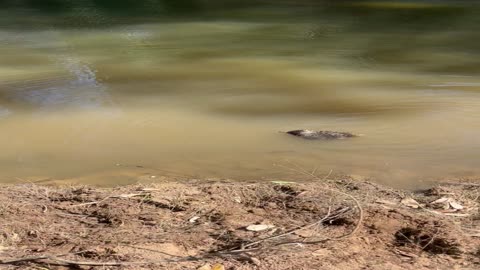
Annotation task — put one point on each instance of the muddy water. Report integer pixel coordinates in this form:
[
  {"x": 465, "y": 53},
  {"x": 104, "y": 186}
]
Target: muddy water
[{"x": 95, "y": 97}]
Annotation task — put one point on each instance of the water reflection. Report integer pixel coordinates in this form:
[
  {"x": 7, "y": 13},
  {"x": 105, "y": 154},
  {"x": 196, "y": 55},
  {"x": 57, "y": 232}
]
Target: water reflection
[
  {"x": 82, "y": 91},
  {"x": 72, "y": 83}
]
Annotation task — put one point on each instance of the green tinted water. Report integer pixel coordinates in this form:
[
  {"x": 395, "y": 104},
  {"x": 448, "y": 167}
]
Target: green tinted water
[{"x": 89, "y": 90}]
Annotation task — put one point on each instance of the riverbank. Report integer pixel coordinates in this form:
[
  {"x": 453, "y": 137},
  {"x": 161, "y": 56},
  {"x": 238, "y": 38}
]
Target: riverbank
[{"x": 334, "y": 224}]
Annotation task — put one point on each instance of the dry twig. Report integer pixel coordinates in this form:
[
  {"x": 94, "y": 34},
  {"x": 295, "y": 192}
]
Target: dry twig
[
  {"x": 56, "y": 260},
  {"x": 357, "y": 203},
  {"x": 112, "y": 197}
]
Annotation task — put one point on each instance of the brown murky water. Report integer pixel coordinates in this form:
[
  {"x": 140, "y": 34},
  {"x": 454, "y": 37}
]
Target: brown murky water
[{"x": 206, "y": 97}]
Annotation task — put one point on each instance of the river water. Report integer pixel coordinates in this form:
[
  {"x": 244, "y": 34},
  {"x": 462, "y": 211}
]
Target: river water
[{"x": 101, "y": 93}]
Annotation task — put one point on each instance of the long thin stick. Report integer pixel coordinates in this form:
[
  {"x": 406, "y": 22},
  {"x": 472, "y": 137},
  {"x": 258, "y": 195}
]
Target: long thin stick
[
  {"x": 326, "y": 217},
  {"x": 26, "y": 259},
  {"x": 55, "y": 259},
  {"x": 34, "y": 258},
  {"x": 112, "y": 196}
]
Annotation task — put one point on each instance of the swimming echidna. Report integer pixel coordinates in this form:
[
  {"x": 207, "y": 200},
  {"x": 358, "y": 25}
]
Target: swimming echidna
[{"x": 321, "y": 135}]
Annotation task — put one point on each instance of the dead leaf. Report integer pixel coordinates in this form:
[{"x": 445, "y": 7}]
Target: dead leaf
[
  {"x": 259, "y": 227},
  {"x": 321, "y": 253},
  {"x": 2, "y": 249},
  {"x": 193, "y": 219},
  {"x": 410, "y": 203},
  {"x": 380, "y": 201},
  {"x": 218, "y": 267},
  {"x": 205, "y": 267},
  {"x": 441, "y": 200},
  {"x": 447, "y": 203},
  {"x": 456, "y": 205}
]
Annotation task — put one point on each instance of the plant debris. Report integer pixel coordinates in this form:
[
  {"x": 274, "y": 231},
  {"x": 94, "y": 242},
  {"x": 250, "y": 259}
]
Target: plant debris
[
  {"x": 334, "y": 224},
  {"x": 259, "y": 228},
  {"x": 410, "y": 203}
]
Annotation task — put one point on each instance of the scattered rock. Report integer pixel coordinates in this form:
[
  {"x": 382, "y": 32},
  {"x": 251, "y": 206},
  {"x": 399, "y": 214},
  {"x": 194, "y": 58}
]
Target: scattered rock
[
  {"x": 259, "y": 228},
  {"x": 321, "y": 135}
]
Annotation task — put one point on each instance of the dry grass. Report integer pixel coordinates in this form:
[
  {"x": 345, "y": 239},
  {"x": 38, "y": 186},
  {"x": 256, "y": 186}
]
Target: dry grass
[{"x": 146, "y": 227}]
